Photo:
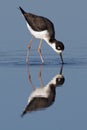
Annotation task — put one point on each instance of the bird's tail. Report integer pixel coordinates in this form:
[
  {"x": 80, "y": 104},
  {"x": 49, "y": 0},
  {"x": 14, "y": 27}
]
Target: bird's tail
[
  {"x": 22, "y": 11},
  {"x": 23, "y": 113}
]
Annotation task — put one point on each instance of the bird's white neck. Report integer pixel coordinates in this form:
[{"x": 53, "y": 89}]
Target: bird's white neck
[{"x": 51, "y": 44}]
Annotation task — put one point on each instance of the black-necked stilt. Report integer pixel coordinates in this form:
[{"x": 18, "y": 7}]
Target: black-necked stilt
[
  {"x": 43, "y": 96},
  {"x": 42, "y": 28}
]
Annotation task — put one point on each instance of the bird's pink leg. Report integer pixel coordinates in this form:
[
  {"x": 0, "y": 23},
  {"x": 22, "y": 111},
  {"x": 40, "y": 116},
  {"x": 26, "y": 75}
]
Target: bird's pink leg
[
  {"x": 29, "y": 46},
  {"x": 39, "y": 50}
]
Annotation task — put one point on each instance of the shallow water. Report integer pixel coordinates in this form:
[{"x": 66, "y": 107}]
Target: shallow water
[{"x": 68, "y": 111}]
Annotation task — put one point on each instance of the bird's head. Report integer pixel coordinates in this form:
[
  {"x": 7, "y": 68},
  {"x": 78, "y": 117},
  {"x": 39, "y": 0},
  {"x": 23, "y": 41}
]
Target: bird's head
[{"x": 58, "y": 46}]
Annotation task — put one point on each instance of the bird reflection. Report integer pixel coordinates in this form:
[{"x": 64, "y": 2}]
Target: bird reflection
[{"x": 43, "y": 96}]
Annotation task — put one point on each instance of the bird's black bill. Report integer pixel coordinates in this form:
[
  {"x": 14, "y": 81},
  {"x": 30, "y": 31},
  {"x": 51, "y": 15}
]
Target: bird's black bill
[{"x": 61, "y": 58}]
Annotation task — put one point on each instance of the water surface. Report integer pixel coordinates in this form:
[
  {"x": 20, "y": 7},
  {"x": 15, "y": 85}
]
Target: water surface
[{"x": 69, "y": 108}]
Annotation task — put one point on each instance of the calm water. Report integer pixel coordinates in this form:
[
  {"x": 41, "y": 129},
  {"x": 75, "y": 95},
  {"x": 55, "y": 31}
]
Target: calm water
[{"x": 68, "y": 111}]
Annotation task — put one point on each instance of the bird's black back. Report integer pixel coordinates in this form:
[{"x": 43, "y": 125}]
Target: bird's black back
[{"x": 39, "y": 23}]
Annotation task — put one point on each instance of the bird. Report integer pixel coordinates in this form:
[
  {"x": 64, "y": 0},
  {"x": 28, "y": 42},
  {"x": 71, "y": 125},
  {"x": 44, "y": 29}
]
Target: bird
[
  {"x": 42, "y": 28},
  {"x": 44, "y": 96}
]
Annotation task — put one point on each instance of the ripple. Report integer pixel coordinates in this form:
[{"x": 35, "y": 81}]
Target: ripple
[{"x": 17, "y": 58}]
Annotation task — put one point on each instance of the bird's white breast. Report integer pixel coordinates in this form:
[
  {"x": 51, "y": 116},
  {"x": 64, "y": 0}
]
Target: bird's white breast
[
  {"x": 41, "y": 34},
  {"x": 40, "y": 92}
]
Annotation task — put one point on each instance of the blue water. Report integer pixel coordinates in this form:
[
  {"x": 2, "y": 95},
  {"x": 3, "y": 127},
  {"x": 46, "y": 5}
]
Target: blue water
[{"x": 69, "y": 110}]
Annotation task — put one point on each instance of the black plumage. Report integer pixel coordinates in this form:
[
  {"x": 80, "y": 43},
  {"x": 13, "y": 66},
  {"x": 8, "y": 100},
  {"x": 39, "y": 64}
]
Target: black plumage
[{"x": 39, "y": 23}]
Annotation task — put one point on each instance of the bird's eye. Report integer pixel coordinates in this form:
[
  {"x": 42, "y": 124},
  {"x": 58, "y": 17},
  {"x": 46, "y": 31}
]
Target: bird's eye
[{"x": 59, "y": 48}]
